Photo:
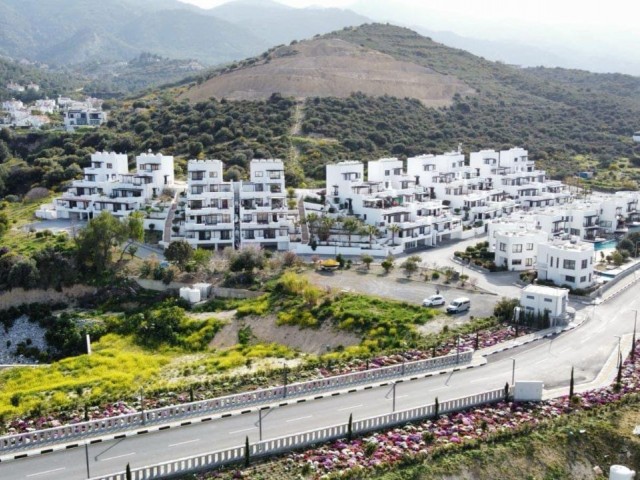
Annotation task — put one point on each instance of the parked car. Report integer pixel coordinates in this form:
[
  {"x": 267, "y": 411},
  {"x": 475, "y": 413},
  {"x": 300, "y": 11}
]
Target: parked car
[
  {"x": 459, "y": 305},
  {"x": 434, "y": 301}
]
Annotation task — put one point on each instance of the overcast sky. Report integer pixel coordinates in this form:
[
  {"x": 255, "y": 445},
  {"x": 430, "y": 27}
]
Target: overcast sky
[{"x": 591, "y": 32}]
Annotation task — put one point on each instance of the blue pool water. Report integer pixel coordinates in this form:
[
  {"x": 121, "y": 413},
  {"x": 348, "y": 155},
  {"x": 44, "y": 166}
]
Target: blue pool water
[{"x": 605, "y": 244}]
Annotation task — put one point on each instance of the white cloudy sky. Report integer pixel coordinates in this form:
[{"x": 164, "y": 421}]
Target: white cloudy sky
[{"x": 590, "y": 33}]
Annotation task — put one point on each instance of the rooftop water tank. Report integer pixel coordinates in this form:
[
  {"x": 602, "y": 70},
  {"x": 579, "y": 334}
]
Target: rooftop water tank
[
  {"x": 192, "y": 295},
  {"x": 620, "y": 472}
]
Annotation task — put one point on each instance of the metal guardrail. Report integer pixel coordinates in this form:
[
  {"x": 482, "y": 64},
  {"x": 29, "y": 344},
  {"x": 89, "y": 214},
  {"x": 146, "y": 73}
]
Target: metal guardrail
[
  {"x": 199, "y": 463},
  {"x": 164, "y": 415}
]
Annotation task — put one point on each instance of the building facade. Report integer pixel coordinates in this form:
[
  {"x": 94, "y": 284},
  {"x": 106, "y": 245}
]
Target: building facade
[{"x": 567, "y": 262}]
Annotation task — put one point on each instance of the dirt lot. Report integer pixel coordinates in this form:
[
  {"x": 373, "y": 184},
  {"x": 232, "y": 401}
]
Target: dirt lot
[{"x": 264, "y": 329}]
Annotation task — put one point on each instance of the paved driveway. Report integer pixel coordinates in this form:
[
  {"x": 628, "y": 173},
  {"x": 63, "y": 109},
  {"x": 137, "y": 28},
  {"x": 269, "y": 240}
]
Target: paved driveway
[{"x": 397, "y": 287}]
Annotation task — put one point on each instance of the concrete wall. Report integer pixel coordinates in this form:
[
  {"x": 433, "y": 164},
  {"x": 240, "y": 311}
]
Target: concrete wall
[{"x": 19, "y": 296}]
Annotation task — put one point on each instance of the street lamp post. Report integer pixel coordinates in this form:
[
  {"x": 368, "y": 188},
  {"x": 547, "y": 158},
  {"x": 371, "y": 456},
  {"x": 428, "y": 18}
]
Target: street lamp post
[
  {"x": 394, "y": 397},
  {"x": 260, "y": 423},
  {"x": 633, "y": 341},
  {"x": 619, "y": 349},
  {"x": 458, "y": 350},
  {"x": 142, "y": 404},
  {"x": 513, "y": 371},
  {"x": 86, "y": 454},
  {"x": 284, "y": 373}
]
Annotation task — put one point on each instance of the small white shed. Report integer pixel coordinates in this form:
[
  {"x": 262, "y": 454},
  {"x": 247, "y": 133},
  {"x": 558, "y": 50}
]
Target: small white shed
[{"x": 536, "y": 299}]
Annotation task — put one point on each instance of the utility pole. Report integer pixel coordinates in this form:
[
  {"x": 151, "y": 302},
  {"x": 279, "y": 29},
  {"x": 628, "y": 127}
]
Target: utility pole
[
  {"x": 260, "y": 423},
  {"x": 513, "y": 371},
  {"x": 284, "y": 372},
  {"x": 86, "y": 454},
  {"x": 633, "y": 340}
]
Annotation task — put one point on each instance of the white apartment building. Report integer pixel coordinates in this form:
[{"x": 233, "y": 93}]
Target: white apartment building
[
  {"x": 617, "y": 211},
  {"x": 389, "y": 197},
  {"x": 83, "y": 117},
  {"x": 108, "y": 185},
  {"x": 540, "y": 299},
  {"x": 566, "y": 262},
  {"x": 209, "y": 212},
  {"x": 264, "y": 217},
  {"x": 518, "y": 250}
]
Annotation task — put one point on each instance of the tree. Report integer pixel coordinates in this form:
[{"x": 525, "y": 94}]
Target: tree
[
  {"x": 128, "y": 472},
  {"x": 179, "y": 252},
  {"x": 312, "y": 220},
  {"x": 201, "y": 257},
  {"x": 410, "y": 267},
  {"x": 367, "y": 260},
  {"x": 351, "y": 226},
  {"x": 617, "y": 258},
  {"x": 247, "y": 452},
  {"x": 504, "y": 308},
  {"x": 370, "y": 231},
  {"x": 24, "y": 274},
  {"x": 350, "y": 427},
  {"x": 506, "y": 392},
  {"x": 133, "y": 231},
  {"x": 95, "y": 242},
  {"x": 571, "y": 385},
  {"x": 387, "y": 264},
  {"x": 245, "y": 261},
  {"x": 436, "y": 408},
  {"x": 55, "y": 268},
  {"x": 324, "y": 229},
  {"x": 394, "y": 229},
  {"x": 4, "y": 223}
]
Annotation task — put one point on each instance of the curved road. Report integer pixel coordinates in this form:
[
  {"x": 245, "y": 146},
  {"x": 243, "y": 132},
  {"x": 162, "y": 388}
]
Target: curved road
[{"x": 590, "y": 348}]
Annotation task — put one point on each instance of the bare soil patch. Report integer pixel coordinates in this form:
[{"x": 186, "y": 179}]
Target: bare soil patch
[
  {"x": 264, "y": 329},
  {"x": 332, "y": 68}
]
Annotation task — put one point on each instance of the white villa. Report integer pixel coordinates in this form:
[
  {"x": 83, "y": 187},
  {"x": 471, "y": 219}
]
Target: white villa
[
  {"x": 108, "y": 185},
  {"x": 518, "y": 250},
  {"x": 540, "y": 299},
  {"x": 566, "y": 262}
]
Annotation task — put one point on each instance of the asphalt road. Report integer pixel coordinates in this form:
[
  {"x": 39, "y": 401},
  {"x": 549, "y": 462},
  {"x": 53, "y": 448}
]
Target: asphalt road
[{"x": 587, "y": 348}]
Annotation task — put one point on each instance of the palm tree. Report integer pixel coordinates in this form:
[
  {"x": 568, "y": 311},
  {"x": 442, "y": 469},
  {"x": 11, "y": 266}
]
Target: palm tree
[
  {"x": 312, "y": 221},
  {"x": 351, "y": 226},
  {"x": 370, "y": 230},
  {"x": 395, "y": 228},
  {"x": 324, "y": 229}
]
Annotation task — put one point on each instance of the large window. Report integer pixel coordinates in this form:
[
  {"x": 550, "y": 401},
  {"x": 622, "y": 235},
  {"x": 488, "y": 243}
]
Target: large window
[
  {"x": 529, "y": 262},
  {"x": 529, "y": 246},
  {"x": 503, "y": 247},
  {"x": 585, "y": 263},
  {"x": 569, "y": 278},
  {"x": 517, "y": 248},
  {"x": 516, "y": 262},
  {"x": 569, "y": 264}
]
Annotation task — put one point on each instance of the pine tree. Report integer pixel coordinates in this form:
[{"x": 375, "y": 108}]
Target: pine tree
[{"x": 571, "y": 386}]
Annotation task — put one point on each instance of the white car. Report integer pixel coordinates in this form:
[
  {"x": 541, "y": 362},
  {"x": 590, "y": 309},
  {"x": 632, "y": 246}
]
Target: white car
[{"x": 433, "y": 301}]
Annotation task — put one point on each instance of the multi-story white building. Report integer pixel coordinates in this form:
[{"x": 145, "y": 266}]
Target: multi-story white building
[
  {"x": 518, "y": 250},
  {"x": 83, "y": 117},
  {"x": 264, "y": 217},
  {"x": 566, "y": 262},
  {"x": 389, "y": 198},
  {"x": 209, "y": 212},
  {"x": 108, "y": 185}
]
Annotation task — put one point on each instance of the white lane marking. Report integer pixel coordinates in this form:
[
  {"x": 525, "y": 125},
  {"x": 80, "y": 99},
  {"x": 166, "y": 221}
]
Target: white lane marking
[
  {"x": 184, "y": 443},
  {"x": 401, "y": 396},
  {"x": 48, "y": 471},
  {"x": 299, "y": 418},
  {"x": 439, "y": 388},
  {"x": 243, "y": 430},
  {"x": 118, "y": 456},
  {"x": 349, "y": 408}
]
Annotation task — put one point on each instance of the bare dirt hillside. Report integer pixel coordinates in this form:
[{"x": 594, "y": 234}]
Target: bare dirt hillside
[{"x": 330, "y": 67}]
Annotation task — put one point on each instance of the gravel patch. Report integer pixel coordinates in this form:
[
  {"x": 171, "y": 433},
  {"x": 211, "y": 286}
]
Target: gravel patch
[{"x": 21, "y": 330}]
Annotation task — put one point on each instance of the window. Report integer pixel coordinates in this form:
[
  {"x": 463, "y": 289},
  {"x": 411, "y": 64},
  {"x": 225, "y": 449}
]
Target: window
[
  {"x": 213, "y": 174},
  {"x": 529, "y": 262},
  {"x": 569, "y": 264},
  {"x": 583, "y": 279},
  {"x": 109, "y": 165},
  {"x": 569, "y": 278},
  {"x": 503, "y": 247},
  {"x": 548, "y": 300},
  {"x": 531, "y": 297},
  {"x": 386, "y": 173},
  {"x": 585, "y": 263},
  {"x": 529, "y": 246},
  {"x": 516, "y": 262},
  {"x": 257, "y": 174},
  {"x": 517, "y": 248}
]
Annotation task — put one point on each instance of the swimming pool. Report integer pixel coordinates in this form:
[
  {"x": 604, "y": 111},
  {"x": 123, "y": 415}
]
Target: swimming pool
[{"x": 605, "y": 244}]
